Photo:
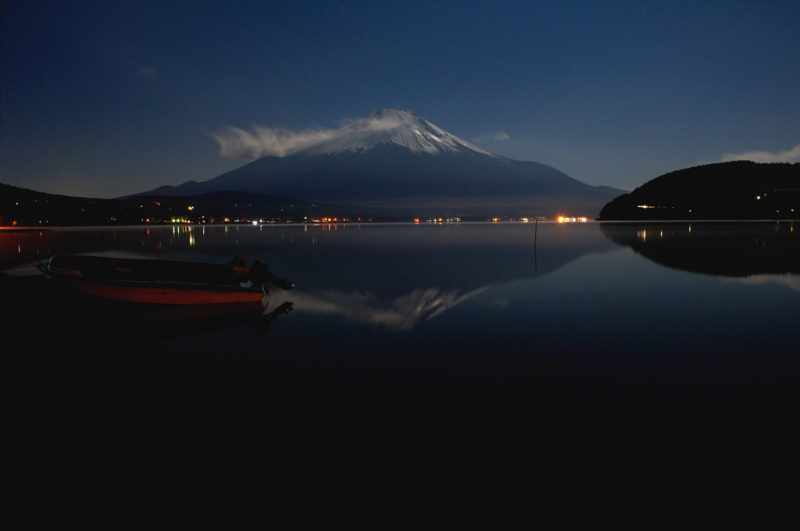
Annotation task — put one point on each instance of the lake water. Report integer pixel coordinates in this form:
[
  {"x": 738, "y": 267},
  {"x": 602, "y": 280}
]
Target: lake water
[{"x": 581, "y": 336}]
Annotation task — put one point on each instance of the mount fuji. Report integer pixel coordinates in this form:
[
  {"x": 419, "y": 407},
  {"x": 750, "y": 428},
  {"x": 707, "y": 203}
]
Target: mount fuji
[{"x": 392, "y": 159}]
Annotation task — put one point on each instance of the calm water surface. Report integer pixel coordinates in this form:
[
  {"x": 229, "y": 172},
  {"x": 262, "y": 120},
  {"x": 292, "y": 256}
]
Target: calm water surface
[{"x": 577, "y": 335}]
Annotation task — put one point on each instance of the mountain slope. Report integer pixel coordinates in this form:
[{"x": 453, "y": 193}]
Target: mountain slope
[{"x": 395, "y": 159}]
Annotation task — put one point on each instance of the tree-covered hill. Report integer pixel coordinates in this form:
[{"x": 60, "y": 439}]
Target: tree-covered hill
[
  {"x": 22, "y": 207},
  {"x": 729, "y": 190}
]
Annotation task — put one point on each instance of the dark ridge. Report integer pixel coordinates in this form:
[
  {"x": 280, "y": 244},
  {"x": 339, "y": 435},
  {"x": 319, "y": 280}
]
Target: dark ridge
[
  {"x": 740, "y": 190},
  {"x": 25, "y": 208}
]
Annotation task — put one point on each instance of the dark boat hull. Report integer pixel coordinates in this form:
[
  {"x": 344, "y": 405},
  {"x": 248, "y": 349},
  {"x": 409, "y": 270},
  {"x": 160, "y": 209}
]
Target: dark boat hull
[
  {"x": 167, "y": 295},
  {"x": 154, "y": 281}
]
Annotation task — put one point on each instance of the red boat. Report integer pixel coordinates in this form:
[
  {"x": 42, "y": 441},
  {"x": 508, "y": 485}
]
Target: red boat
[{"x": 163, "y": 281}]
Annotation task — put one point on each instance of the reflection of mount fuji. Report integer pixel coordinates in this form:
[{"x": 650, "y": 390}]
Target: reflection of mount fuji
[
  {"x": 723, "y": 249},
  {"x": 403, "y": 313},
  {"x": 383, "y": 278}
]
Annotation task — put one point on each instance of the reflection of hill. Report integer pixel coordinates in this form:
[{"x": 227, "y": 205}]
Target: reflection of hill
[{"x": 725, "y": 249}]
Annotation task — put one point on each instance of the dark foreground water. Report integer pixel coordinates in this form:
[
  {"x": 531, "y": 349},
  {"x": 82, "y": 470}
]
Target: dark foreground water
[{"x": 491, "y": 339}]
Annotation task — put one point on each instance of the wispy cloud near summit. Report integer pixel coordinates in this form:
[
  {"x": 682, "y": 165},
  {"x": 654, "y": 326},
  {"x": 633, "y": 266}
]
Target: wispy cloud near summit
[
  {"x": 237, "y": 143},
  {"x": 792, "y": 155}
]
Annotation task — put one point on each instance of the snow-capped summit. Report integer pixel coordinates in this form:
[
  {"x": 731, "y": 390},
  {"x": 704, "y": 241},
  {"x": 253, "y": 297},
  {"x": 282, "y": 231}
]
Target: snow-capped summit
[{"x": 391, "y": 126}]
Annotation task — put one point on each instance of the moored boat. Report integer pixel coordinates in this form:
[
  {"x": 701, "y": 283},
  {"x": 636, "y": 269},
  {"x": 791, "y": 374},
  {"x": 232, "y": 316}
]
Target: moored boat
[{"x": 163, "y": 281}]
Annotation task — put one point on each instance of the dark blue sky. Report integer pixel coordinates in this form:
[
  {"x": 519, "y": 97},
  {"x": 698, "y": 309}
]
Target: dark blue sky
[{"x": 106, "y": 98}]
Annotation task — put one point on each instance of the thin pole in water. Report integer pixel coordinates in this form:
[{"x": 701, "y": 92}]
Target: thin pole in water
[{"x": 535, "y": 234}]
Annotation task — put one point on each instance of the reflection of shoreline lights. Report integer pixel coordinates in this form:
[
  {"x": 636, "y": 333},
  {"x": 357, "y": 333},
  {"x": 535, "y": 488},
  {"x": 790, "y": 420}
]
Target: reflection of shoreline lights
[
  {"x": 642, "y": 235},
  {"x": 562, "y": 219}
]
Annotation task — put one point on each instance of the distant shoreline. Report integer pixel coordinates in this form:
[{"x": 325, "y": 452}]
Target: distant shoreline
[{"x": 30, "y": 228}]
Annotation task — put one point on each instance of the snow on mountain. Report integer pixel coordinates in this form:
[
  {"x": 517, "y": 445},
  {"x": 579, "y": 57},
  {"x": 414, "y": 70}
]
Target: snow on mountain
[{"x": 391, "y": 126}]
